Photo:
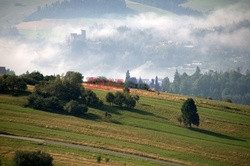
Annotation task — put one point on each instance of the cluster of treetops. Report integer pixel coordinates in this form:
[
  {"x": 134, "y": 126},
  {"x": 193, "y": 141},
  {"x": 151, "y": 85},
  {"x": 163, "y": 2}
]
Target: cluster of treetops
[
  {"x": 61, "y": 94},
  {"x": 231, "y": 86}
]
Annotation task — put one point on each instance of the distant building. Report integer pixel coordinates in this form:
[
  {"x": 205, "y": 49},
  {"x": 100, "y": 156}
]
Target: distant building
[
  {"x": 76, "y": 37},
  {"x": 77, "y": 42},
  {"x": 2, "y": 70}
]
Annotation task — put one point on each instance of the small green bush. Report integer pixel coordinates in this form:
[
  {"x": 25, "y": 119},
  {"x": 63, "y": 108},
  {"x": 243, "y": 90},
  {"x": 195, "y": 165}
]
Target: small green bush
[
  {"x": 110, "y": 97},
  {"x": 25, "y": 158},
  {"x": 137, "y": 98},
  {"x": 92, "y": 100},
  {"x": 51, "y": 104},
  {"x": 119, "y": 99},
  {"x": 98, "y": 159},
  {"x": 125, "y": 99},
  {"x": 130, "y": 102}
]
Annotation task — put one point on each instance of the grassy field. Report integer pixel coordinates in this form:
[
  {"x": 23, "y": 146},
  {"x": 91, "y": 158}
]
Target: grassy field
[{"x": 151, "y": 129}]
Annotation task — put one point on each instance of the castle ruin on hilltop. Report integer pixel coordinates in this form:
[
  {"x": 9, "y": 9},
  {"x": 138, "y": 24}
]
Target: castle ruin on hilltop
[{"x": 78, "y": 37}]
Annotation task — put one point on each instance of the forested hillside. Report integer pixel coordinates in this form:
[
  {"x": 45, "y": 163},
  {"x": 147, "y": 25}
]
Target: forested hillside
[
  {"x": 79, "y": 8},
  {"x": 231, "y": 86},
  {"x": 170, "y": 5}
]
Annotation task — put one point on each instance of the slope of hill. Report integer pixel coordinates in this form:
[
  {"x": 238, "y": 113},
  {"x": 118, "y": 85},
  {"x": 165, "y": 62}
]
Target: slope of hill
[
  {"x": 79, "y": 8},
  {"x": 151, "y": 129},
  {"x": 208, "y": 5},
  {"x": 173, "y": 6},
  {"x": 142, "y": 8}
]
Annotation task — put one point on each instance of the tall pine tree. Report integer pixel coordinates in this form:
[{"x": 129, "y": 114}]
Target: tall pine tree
[{"x": 189, "y": 113}]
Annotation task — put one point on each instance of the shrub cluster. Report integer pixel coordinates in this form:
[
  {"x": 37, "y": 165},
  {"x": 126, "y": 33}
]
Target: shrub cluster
[
  {"x": 122, "y": 99},
  {"x": 12, "y": 84},
  {"x": 52, "y": 103},
  {"x": 36, "y": 77},
  {"x": 64, "y": 95},
  {"x": 91, "y": 99},
  {"x": 24, "y": 158}
]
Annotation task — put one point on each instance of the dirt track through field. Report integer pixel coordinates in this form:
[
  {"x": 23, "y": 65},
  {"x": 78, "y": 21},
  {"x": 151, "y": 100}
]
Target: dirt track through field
[{"x": 88, "y": 148}]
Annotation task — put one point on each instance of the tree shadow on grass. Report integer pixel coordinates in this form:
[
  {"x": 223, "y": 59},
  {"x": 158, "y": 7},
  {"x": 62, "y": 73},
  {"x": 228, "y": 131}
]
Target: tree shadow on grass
[
  {"x": 211, "y": 133},
  {"x": 115, "y": 110},
  {"x": 147, "y": 105},
  {"x": 111, "y": 109},
  {"x": 90, "y": 116},
  {"x": 141, "y": 112},
  {"x": 104, "y": 108},
  {"x": 5, "y": 133}
]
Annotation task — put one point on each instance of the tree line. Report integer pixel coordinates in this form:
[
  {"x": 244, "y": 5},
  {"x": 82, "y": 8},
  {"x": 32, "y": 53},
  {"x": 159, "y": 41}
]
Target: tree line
[
  {"x": 131, "y": 82},
  {"x": 229, "y": 86},
  {"x": 17, "y": 85}
]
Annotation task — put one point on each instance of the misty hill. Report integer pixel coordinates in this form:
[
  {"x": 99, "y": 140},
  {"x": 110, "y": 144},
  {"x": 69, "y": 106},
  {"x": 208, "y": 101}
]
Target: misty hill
[
  {"x": 170, "y": 5},
  {"x": 79, "y": 8}
]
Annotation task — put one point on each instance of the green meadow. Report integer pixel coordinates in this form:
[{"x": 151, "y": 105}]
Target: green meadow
[{"x": 150, "y": 129}]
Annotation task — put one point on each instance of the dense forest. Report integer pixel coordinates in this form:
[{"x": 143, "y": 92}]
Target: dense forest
[
  {"x": 232, "y": 86},
  {"x": 170, "y": 5},
  {"x": 79, "y": 8}
]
